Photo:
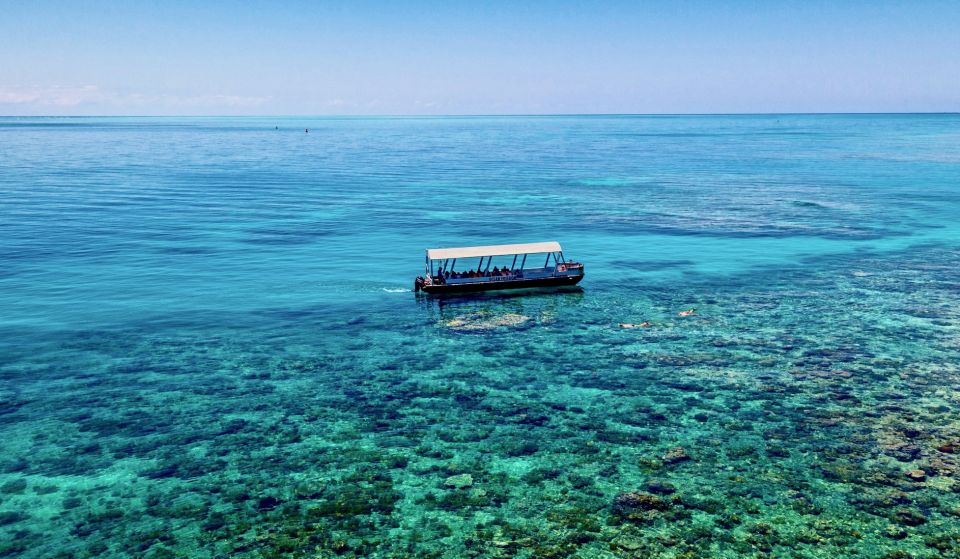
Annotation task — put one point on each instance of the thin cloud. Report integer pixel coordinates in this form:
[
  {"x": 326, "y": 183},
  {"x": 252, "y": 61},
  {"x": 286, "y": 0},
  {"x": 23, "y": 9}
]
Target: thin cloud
[
  {"x": 53, "y": 96},
  {"x": 61, "y": 96}
]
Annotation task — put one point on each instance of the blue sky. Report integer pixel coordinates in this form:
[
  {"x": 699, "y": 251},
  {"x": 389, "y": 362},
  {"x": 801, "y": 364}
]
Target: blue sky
[{"x": 447, "y": 57}]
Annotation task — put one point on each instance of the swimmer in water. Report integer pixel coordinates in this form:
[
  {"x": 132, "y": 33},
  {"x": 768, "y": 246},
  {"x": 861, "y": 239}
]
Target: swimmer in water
[
  {"x": 687, "y": 312},
  {"x": 644, "y": 324}
]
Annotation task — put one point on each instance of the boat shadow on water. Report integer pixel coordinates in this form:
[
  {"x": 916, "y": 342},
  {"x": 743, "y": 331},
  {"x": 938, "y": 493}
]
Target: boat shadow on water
[
  {"x": 492, "y": 311},
  {"x": 568, "y": 293}
]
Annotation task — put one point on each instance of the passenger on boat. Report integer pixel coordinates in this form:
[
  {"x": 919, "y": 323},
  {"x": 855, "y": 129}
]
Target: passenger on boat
[
  {"x": 496, "y": 271},
  {"x": 446, "y": 275}
]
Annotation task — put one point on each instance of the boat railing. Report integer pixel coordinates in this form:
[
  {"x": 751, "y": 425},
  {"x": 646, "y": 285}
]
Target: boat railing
[
  {"x": 526, "y": 273},
  {"x": 481, "y": 279}
]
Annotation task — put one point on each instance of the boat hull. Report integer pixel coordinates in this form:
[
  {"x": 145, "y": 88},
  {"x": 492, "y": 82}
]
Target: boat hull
[{"x": 555, "y": 281}]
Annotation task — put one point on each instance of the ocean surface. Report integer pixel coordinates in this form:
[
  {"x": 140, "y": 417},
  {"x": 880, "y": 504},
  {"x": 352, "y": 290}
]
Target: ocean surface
[{"x": 209, "y": 345}]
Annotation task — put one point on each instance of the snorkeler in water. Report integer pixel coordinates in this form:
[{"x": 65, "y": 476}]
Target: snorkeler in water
[
  {"x": 687, "y": 312},
  {"x": 644, "y": 324}
]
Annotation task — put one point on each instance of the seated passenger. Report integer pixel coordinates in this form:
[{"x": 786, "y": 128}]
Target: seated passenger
[{"x": 496, "y": 271}]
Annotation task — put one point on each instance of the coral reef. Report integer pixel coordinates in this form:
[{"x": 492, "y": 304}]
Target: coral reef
[{"x": 823, "y": 428}]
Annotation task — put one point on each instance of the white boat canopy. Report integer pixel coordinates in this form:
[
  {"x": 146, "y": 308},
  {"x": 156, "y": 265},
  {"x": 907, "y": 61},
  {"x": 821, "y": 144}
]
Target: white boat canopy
[{"x": 494, "y": 250}]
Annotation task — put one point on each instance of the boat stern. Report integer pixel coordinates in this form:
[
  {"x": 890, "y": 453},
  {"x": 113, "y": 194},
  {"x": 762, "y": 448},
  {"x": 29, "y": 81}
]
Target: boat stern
[{"x": 570, "y": 269}]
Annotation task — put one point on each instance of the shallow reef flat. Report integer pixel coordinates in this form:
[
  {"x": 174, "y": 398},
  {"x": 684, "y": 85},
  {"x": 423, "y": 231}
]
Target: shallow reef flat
[{"x": 799, "y": 413}]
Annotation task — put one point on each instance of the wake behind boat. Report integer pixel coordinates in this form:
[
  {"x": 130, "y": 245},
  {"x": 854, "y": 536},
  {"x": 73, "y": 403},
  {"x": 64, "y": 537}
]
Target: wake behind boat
[{"x": 441, "y": 274}]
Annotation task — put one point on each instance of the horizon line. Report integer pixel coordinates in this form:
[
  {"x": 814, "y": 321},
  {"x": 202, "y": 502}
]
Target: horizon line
[{"x": 487, "y": 115}]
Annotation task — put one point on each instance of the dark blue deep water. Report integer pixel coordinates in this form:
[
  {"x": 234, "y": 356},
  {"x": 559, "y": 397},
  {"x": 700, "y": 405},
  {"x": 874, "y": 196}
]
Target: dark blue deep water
[{"x": 209, "y": 346}]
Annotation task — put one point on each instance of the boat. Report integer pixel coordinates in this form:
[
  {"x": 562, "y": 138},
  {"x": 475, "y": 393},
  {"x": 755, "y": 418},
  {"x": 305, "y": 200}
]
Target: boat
[{"x": 441, "y": 274}]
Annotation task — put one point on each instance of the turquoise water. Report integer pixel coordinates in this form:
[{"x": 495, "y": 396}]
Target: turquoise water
[{"x": 209, "y": 346}]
